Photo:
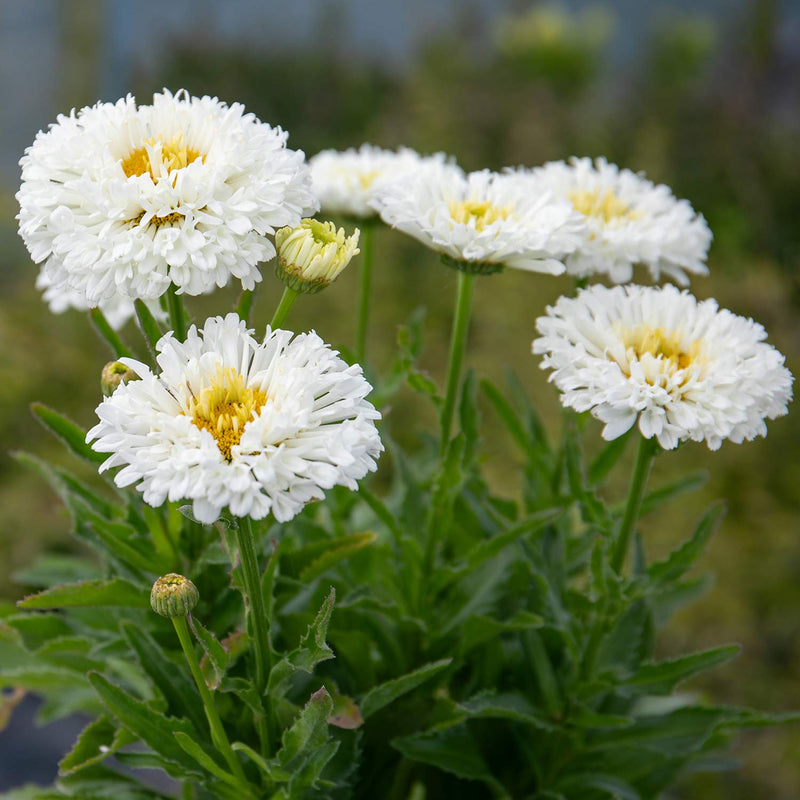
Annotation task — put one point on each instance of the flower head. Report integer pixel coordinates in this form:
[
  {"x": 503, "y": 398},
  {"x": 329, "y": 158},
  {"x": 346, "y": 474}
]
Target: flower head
[
  {"x": 173, "y": 595},
  {"x": 346, "y": 181},
  {"x": 629, "y": 221},
  {"x": 231, "y": 422},
  {"x": 482, "y": 221},
  {"x": 313, "y": 255},
  {"x": 120, "y": 200},
  {"x": 684, "y": 369},
  {"x": 115, "y": 373}
]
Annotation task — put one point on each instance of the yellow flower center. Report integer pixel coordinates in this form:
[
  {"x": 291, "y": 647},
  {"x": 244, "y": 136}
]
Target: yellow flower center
[
  {"x": 155, "y": 153},
  {"x": 664, "y": 346},
  {"x": 606, "y": 206},
  {"x": 367, "y": 178},
  {"x": 224, "y": 407},
  {"x": 482, "y": 213}
]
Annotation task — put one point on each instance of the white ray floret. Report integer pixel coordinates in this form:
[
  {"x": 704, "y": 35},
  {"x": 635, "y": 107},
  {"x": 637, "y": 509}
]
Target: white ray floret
[
  {"x": 629, "y": 221},
  {"x": 229, "y": 422},
  {"x": 482, "y": 220},
  {"x": 124, "y": 200},
  {"x": 682, "y": 368},
  {"x": 346, "y": 181}
]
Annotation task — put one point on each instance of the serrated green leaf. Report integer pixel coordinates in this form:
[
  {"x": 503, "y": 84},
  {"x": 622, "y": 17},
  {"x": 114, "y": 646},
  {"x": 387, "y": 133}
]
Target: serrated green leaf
[
  {"x": 39, "y": 678},
  {"x": 579, "y": 785},
  {"x": 311, "y": 560},
  {"x": 309, "y": 730},
  {"x": 181, "y": 696},
  {"x": 98, "y": 740},
  {"x": 663, "y": 677},
  {"x": 116, "y": 592},
  {"x": 504, "y": 705},
  {"x": 479, "y": 629},
  {"x": 150, "y": 726},
  {"x": 582, "y": 717},
  {"x": 67, "y": 432},
  {"x": 508, "y": 416},
  {"x": 313, "y": 647},
  {"x": 51, "y": 569},
  {"x": 271, "y": 770},
  {"x": 681, "y": 559},
  {"x": 383, "y": 694},
  {"x": 628, "y": 642}
]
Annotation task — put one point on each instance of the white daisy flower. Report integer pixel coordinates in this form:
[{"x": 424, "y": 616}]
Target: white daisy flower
[
  {"x": 125, "y": 200},
  {"x": 232, "y": 423},
  {"x": 629, "y": 220},
  {"x": 346, "y": 181},
  {"x": 482, "y": 221},
  {"x": 683, "y": 369}
]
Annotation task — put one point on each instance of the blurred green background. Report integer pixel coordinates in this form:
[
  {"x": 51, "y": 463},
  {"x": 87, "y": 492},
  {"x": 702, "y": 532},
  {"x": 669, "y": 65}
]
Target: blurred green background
[{"x": 708, "y": 104}]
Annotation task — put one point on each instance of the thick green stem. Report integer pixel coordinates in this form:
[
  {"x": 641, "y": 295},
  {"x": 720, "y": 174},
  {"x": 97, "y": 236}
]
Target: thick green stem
[
  {"x": 366, "y": 242},
  {"x": 458, "y": 342},
  {"x": 259, "y": 621},
  {"x": 641, "y": 471},
  {"x": 245, "y": 304},
  {"x": 177, "y": 313},
  {"x": 218, "y": 735},
  {"x": 282, "y": 311}
]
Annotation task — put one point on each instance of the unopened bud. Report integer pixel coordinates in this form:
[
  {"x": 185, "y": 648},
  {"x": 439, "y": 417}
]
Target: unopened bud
[
  {"x": 312, "y": 255},
  {"x": 173, "y": 596},
  {"x": 115, "y": 373}
]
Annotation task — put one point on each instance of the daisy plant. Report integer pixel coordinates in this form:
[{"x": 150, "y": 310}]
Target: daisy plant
[{"x": 252, "y": 612}]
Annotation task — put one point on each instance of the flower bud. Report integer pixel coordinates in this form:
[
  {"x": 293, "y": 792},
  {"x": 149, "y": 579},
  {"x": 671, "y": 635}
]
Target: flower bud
[
  {"x": 311, "y": 256},
  {"x": 173, "y": 596},
  {"x": 115, "y": 373}
]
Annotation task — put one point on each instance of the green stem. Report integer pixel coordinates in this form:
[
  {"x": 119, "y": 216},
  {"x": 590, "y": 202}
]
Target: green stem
[
  {"x": 641, "y": 470},
  {"x": 109, "y": 335},
  {"x": 367, "y": 234},
  {"x": 257, "y": 611},
  {"x": 281, "y": 312},
  {"x": 177, "y": 313},
  {"x": 458, "y": 342},
  {"x": 218, "y": 735},
  {"x": 245, "y": 304}
]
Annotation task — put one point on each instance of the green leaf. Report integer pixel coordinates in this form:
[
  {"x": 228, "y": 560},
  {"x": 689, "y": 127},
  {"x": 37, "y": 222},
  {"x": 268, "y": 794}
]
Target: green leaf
[
  {"x": 151, "y": 727},
  {"x": 311, "y": 560},
  {"x": 581, "y": 784},
  {"x": 116, "y": 592},
  {"x": 628, "y": 642},
  {"x": 148, "y": 325},
  {"x": 216, "y": 654},
  {"x": 659, "y": 497},
  {"x": 383, "y": 694},
  {"x": 504, "y": 705},
  {"x": 453, "y": 750},
  {"x": 468, "y": 415},
  {"x": 607, "y": 458},
  {"x": 270, "y": 770},
  {"x": 123, "y": 541},
  {"x": 309, "y": 731},
  {"x": 663, "y": 677},
  {"x": 108, "y": 334},
  {"x": 68, "y": 432},
  {"x": 507, "y": 415},
  {"x": 98, "y": 740},
  {"x": 681, "y": 560},
  {"x": 40, "y": 678},
  {"x": 180, "y": 694},
  {"x": 313, "y": 647},
  {"x": 192, "y": 748},
  {"x": 479, "y": 629},
  {"x": 51, "y": 569},
  {"x": 583, "y": 717}
]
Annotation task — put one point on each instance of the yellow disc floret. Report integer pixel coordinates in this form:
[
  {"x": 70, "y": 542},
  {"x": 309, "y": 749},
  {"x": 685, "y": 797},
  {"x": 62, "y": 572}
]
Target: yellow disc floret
[
  {"x": 480, "y": 214},
  {"x": 156, "y": 153},
  {"x": 606, "y": 206},
  {"x": 224, "y": 407},
  {"x": 666, "y": 347}
]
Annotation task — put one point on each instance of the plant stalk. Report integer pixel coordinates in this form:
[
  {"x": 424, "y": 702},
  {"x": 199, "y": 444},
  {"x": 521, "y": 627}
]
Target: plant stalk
[
  {"x": 218, "y": 735},
  {"x": 281, "y": 312},
  {"x": 458, "y": 343},
  {"x": 645, "y": 454}
]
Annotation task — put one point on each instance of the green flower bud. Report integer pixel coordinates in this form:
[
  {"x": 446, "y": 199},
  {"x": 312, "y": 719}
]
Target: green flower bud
[
  {"x": 173, "y": 596},
  {"x": 115, "y": 373},
  {"x": 312, "y": 255}
]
